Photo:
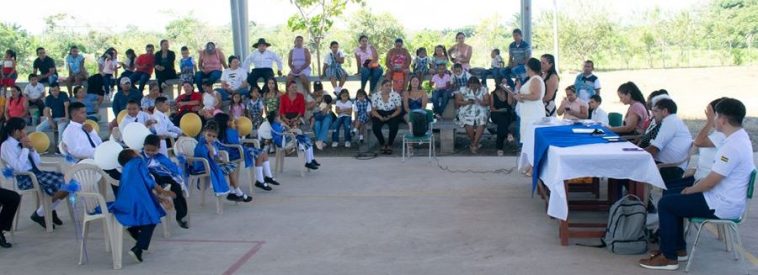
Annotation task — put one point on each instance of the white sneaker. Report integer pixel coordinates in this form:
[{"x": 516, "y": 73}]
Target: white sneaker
[
  {"x": 320, "y": 145},
  {"x": 347, "y": 144},
  {"x": 335, "y": 144}
]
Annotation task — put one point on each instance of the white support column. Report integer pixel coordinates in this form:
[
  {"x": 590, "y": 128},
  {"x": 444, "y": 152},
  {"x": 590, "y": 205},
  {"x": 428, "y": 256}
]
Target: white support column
[
  {"x": 240, "y": 32},
  {"x": 526, "y": 20}
]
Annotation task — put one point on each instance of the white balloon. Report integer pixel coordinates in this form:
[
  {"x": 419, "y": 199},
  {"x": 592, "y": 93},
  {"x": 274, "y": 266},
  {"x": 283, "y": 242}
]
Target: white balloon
[
  {"x": 134, "y": 135},
  {"x": 106, "y": 155}
]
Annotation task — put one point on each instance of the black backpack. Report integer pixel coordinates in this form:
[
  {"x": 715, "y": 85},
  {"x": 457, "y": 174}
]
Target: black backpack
[{"x": 420, "y": 122}]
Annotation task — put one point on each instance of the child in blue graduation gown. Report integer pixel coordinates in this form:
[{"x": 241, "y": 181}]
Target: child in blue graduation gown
[
  {"x": 136, "y": 207},
  {"x": 208, "y": 148},
  {"x": 166, "y": 173},
  {"x": 228, "y": 135}
]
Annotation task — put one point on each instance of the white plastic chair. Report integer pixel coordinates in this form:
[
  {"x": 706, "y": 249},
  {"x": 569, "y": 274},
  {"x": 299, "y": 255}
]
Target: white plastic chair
[
  {"x": 251, "y": 171},
  {"x": 185, "y": 146},
  {"x": 281, "y": 153},
  {"x": 40, "y": 196},
  {"x": 241, "y": 163},
  {"x": 730, "y": 227},
  {"x": 93, "y": 182}
]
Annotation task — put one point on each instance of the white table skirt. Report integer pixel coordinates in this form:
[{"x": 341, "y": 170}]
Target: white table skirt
[{"x": 594, "y": 160}]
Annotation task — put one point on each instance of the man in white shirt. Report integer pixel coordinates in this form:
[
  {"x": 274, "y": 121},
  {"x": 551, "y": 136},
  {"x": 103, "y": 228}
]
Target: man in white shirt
[
  {"x": 233, "y": 79},
  {"x": 133, "y": 114},
  {"x": 263, "y": 60},
  {"x": 708, "y": 143},
  {"x": 721, "y": 194},
  {"x": 163, "y": 126},
  {"x": 79, "y": 139},
  {"x": 673, "y": 142}
]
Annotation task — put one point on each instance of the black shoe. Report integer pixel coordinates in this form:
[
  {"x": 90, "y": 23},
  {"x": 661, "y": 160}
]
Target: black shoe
[
  {"x": 136, "y": 254},
  {"x": 233, "y": 197},
  {"x": 183, "y": 224},
  {"x": 311, "y": 166},
  {"x": 315, "y": 162},
  {"x": 246, "y": 198},
  {"x": 270, "y": 181},
  {"x": 39, "y": 220},
  {"x": 4, "y": 243},
  {"x": 56, "y": 220},
  {"x": 263, "y": 186}
]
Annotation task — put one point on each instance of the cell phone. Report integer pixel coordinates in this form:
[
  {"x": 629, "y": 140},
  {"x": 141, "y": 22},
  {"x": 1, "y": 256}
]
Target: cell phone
[{"x": 632, "y": 149}]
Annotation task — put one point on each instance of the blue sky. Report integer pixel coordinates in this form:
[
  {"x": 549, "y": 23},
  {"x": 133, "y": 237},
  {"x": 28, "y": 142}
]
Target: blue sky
[{"x": 415, "y": 15}]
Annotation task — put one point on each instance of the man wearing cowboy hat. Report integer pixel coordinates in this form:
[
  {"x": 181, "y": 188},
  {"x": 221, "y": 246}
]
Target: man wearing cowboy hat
[{"x": 263, "y": 60}]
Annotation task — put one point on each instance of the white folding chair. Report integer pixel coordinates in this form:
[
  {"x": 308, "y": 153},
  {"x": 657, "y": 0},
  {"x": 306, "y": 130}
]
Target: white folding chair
[
  {"x": 93, "y": 182},
  {"x": 185, "y": 146}
]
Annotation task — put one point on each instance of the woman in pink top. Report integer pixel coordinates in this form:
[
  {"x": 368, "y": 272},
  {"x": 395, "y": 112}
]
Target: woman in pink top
[
  {"x": 636, "y": 115},
  {"x": 461, "y": 52},
  {"x": 398, "y": 62},
  {"x": 299, "y": 62},
  {"x": 367, "y": 60},
  {"x": 210, "y": 63},
  {"x": 18, "y": 105}
]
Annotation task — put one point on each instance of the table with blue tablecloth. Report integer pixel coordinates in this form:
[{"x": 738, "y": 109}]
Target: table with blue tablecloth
[{"x": 558, "y": 154}]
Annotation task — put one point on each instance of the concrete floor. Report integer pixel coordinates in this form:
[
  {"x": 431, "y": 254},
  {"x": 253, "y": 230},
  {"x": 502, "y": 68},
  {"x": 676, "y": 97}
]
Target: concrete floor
[{"x": 379, "y": 216}]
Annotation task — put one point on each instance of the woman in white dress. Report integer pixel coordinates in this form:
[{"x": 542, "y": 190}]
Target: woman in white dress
[
  {"x": 530, "y": 108},
  {"x": 473, "y": 113}
]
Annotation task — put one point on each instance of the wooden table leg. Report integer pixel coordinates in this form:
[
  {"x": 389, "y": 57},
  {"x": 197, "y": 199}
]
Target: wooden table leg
[{"x": 563, "y": 233}]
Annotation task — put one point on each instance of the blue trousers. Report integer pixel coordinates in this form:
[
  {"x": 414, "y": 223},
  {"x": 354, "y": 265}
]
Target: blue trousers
[
  {"x": 140, "y": 79},
  {"x": 439, "y": 100},
  {"x": 372, "y": 76},
  {"x": 497, "y": 73},
  {"x": 212, "y": 77},
  {"x": 344, "y": 122},
  {"x": 673, "y": 208},
  {"x": 321, "y": 127}
]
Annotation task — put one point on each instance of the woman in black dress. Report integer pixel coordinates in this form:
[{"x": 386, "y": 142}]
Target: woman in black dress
[
  {"x": 164, "y": 64},
  {"x": 502, "y": 113}
]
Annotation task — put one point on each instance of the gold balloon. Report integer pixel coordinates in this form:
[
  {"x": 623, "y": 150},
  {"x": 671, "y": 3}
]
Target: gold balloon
[
  {"x": 93, "y": 124},
  {"x": 244, "y": 126},
  {"x": 120, "y": 116},
  {"x": 40, "y": 141},
  {"x": 191, "y": 124}
]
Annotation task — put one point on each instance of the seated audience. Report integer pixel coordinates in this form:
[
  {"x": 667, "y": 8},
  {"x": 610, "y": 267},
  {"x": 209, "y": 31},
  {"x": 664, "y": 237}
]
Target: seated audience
[
  {"x": 708, "y": 142},
  {"x": 126, "y": 93},
  {"x": 636, "y": 115},
  {"x": 147, "y": 103},
  {"x": 344, "y": 113},
  {"x": 211, "y": 101},
  {"x": 292, "y": 106},
  {"x": 234, "y": 79},
  {"x": 79, "y": 138},
  {"x": 17, "y": 105},
  {"x": 208, "y": 148},
  {"x": 720, "y": 195},
  {"x": 386, "y": 107},
  {"x": 673, "y": 142},
  {"x": 189, "y": 101},
  {"x": 19, "y": 154},
  {"x": 362, "y": 110},
  {"x": 281, "y": 135},
  {"x": 596, "y": 113},
  {"x": 442, "y": 85},
  {"x": 572, "y": 107},
  {"x": 35, "y": 92},
  {"x": 56, "y": 110},
  {"x": 138, "y": 204},
  {"x": 321, "y": 120},
  {"x": 89, "y": 101},
  {"x": 166, "y": 173},
  {"x": 473, "y": 113},
  {"x": 228, "y": 134},
  {"x": 163, "y": 126}
]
